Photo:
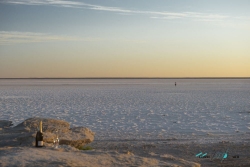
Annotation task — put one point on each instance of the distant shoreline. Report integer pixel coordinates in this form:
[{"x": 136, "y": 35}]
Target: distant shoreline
[{"x": 140, "y": 78}]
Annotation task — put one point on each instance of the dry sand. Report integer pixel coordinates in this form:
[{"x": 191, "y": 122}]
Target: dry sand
[
  {"x": 128, "y": 153},
  {"x": 161, "y": 152},
  {"x": 184, "y": 150}
]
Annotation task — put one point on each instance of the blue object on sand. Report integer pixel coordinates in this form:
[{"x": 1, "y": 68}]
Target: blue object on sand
[
  {"x": 225, "y": 156},
  {"x": 197, "y": 155},
  {"x": 203, "y": 155}
]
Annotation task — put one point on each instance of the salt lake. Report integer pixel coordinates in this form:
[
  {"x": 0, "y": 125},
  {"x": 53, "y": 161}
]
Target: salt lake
[{"x": 134, "y": 109}]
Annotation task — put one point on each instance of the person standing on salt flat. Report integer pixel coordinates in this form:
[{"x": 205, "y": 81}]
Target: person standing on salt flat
[{"x": 175, "y": 84}]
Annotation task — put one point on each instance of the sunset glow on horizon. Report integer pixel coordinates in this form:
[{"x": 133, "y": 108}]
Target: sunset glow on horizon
[{"x": 115, "y": 38}]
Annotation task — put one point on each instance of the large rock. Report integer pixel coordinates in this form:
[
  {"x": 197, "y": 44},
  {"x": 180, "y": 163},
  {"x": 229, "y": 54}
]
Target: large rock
[
  {"x": 25, "y": 132},
  {"x": 5, "y": 124}
]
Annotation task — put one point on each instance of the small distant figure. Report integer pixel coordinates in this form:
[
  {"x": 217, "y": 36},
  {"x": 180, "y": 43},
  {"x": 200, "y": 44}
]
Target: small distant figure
[{"x": 175, "y": 84}]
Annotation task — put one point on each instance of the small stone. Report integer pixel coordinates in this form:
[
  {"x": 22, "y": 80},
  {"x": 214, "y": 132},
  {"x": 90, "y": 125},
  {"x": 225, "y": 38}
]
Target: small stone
[{"x": 5, "y": 124}]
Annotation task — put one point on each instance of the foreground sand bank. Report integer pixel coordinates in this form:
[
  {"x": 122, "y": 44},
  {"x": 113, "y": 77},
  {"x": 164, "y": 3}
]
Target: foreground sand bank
[
  {"x": 127, "y": 153},
  {"x": 17, "y": 149},
  {"x": 157, "y": 149}
]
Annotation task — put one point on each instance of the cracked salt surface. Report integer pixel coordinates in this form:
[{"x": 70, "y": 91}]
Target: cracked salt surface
[{"x": 135, "y": 109}]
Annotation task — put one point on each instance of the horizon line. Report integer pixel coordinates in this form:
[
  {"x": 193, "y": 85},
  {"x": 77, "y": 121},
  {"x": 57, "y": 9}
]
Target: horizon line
[{"x": 129, "y": 78}]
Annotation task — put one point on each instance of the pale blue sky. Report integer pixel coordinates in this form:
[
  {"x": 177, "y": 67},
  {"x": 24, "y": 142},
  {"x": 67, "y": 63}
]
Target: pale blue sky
[{"x": 124, "y": 38}]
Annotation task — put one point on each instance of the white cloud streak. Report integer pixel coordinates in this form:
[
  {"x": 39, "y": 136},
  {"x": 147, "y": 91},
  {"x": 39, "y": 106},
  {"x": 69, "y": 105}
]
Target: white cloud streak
[
  {"x": 152, "y": 14},
  {"x": 13, "y": 37}
]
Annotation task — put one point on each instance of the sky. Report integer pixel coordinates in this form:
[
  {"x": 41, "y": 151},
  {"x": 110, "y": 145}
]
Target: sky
[{"x": 124, "y": 38}]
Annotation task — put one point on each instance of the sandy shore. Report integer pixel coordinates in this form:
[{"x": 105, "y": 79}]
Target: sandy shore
[
  {"x": 129, "y": 153},
  {"x": 17, "y": 149},
  {"x": 187, "y": 151}
]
